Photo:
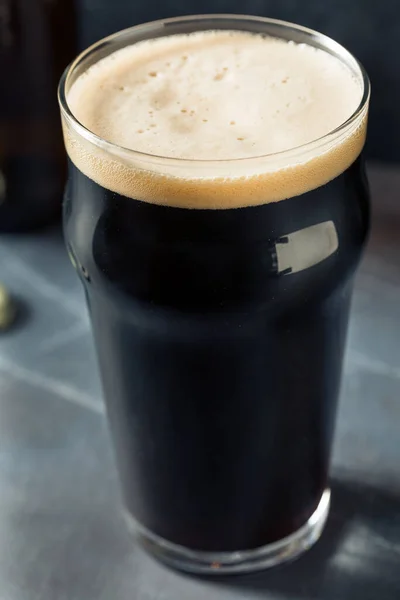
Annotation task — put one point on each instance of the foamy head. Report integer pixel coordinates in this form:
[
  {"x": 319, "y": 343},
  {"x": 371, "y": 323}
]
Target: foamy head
[{"x": 224, "y": 96}]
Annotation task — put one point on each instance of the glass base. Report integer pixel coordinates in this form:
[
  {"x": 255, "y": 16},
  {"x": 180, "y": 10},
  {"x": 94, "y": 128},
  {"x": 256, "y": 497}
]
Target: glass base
[{"x": 243, "y": 561}]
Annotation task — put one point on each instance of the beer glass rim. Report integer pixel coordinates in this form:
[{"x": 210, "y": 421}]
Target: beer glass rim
[{"x": 165, "y": 27}]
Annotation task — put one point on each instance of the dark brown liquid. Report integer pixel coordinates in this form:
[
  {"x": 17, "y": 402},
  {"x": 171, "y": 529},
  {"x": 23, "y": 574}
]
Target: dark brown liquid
[
  {"x": 37, "y": 40},
  {"x": 221, "y": 366}
]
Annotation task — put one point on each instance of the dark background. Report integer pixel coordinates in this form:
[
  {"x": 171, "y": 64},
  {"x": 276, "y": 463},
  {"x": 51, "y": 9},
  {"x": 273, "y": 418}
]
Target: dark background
[{"x": 369, "y": 28}]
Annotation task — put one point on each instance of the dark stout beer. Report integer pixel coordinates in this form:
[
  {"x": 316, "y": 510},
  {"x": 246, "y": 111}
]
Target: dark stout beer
[
  {"x": 219, "y": 293},
  {"x": 221, "y": 370}
]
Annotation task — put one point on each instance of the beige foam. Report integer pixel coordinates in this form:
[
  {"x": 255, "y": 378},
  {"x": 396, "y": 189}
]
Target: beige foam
[{"x": 223, "y": 96}]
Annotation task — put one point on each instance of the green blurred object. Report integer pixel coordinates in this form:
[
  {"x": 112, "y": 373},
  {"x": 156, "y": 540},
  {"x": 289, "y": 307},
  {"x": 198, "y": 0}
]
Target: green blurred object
[{"x": 8, "y": 309}]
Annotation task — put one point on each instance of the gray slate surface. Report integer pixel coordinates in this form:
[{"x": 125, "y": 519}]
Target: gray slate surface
[{"x": 61, "y": 534}]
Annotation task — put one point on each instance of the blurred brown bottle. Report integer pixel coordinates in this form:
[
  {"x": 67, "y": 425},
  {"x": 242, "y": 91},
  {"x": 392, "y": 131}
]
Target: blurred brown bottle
[{"x": 37, "y": 41}]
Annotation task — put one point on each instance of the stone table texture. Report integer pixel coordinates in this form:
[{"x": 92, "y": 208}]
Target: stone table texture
[{"x": 61, "y": 533}]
